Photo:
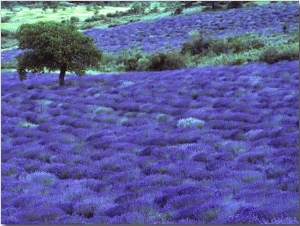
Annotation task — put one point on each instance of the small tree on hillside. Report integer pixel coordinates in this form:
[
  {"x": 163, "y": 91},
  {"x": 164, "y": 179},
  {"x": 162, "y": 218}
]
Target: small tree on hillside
[{"x": 55, "y": 46}]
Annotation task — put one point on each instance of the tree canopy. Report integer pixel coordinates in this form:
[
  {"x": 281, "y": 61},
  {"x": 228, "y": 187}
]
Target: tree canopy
[{"x": 55, "y": 46}]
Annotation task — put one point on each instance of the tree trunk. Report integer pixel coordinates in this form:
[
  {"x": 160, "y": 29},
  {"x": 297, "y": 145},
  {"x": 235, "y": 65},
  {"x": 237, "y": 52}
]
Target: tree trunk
[{"x": 62, "y": 74}]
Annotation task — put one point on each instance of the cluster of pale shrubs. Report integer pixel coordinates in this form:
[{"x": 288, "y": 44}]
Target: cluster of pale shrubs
[{"x": 190, "y": 123}]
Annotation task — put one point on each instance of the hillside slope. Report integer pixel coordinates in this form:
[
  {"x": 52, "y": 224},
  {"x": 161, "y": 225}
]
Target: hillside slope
[{"x": 207, "y": 145}]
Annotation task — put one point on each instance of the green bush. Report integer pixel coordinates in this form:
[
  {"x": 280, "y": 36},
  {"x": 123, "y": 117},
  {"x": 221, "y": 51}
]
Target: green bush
[
  {"x": 290, "y": 52},
  {"x": 89, "y": 8},
  {"x": 166, "y": 61},
  {"x": 143, "y": 64},
  {"x": 116, "y": 14},
  {"x": 269, "y": 55},
  {"x": 131, "y": 63},
  {"x": 203, "y": 44},
  {"x": 5, "y": 19},
  {"x": 240, "y": 44},
  {"x": 198, "y": 45},
  {"x": 74, "y": 19},
  {"x": 136, "y": 8},
  {"x": 95, "y": 18},
  {"x": 237, "y": 44},
  {"x": 236, "y": 61},
  {"x": 7, "y": 33},
  {"x": 86, "y": 26},
  {"x": 272, "y": 54},
  {"x": 256, "y": 43},
  {"x": 110, "y": 15},
  {"x": 178, "y": 11},
  {"x": 154, "y": 10},
  {"x": 294, "y": 38},
  {"x": 220, "y": 46},
  {"x": 234, "y": 5}
]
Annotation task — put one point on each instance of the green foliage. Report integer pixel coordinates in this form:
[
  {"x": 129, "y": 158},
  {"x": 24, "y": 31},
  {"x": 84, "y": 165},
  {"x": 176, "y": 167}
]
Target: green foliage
[
  {"x": 220, "y": 46},
  {"x": 7, "y": 33},
  {"x": 143, "y": 63},
  {"x": 294, "y": 37},
  {"x": 55, "y": 46},
  {"x": 116, "y": 14},
  {"x": 86, "y": 26},
  {"x": 270, "y": 55},
  {"x": 166, "y": 61},
  {"x": 130, "y": 59},
  {"x": 290, "y": 52},
  {"x": 88, "y": 8},
  {"x": 7, "y": 39},
  {"x": 237, "y": 44},
  {"x": 5, "y": 19},
  {"x": 74, "y": 19},
  {"x": 274, "y": 54},
  {"x": 131, "y": 63},
  {"x": 12, "y": 64},
  {"x": 154, "y": 10},
  {"x": 234, "y": 4},
  {"x": 136, "y": 61},
  {"x": 178, "y": 11},
  {"x": 199, "y": 45},
  {"x": 136, "y": 8},
  {"x": 95, "y": 18},
  {"x": 203, "y": 44}
]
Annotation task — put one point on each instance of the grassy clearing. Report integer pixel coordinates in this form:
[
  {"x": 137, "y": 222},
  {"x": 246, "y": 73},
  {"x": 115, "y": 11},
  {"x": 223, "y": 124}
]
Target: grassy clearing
[{"x": 27, "y": 15}]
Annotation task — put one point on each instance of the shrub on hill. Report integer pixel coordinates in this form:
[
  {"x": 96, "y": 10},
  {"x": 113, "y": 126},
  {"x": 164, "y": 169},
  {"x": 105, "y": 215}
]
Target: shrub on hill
[
  {"x": 7, "y": 33},
  {"x": 203, "y": 44},
  {"x": 131, "y": 64},
  {"x": 5, "y": 19},
  {"x": 74, "y": 19},
  {"x": 166, "y": 61},
  {"x": 137, "y": 8},
  {"x": 238, "y": 44},
  {"x": 95, "y": 18},
  {"x": 178, "y": 11},
  {"x": 294, "y": 37},
  {"x": 272, "y": 54},
  {"x": 234, "y": 4},
  {"x": 197, "y": 46}
]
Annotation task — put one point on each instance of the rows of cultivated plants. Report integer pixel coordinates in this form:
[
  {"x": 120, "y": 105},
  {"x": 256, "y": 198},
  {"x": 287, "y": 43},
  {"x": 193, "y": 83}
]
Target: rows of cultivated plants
[
  {"x": 226, "y": 37},
  {"x": 203, "y": 130},
  {"x": 152, "y": 147}
]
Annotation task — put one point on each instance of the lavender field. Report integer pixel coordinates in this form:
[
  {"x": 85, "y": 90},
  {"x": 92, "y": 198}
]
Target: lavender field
[
  {"x": 203, "y": 145},
  {"x": 172, "y": 31},
  {"x": 206, "y": 145}
]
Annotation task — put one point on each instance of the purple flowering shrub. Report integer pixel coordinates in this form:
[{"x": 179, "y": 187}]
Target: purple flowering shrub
[
  {"x": 169, "y": 30},
  {"x": 141, "y": 148}
]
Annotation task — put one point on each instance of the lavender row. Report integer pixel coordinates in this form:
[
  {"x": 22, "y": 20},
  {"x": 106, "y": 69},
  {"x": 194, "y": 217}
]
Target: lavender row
[
  {"x": 210, "y": 145},
  {"x": 171, "y": 32}
]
